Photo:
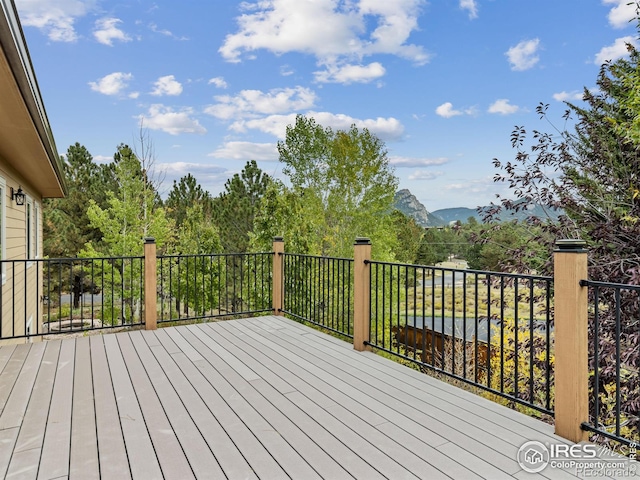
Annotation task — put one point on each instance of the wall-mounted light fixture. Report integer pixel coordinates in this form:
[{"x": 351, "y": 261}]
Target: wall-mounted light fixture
[{"x": 18, "y": 196}]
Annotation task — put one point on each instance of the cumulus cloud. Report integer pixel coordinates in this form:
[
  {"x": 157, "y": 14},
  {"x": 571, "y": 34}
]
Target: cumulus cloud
[
  {"x": 388, "y": 129},
  {"x": 503, "y": 107},
  {"x": 471, "y": 6},
  {"x": 54, "y": 19},
  {"x": 160, "y": 117},
  {"x": 113, "y": 84},
  {"x": 334, "y": 32},
  {"x": 524, "y": 56},
  {"x": 167, "y": 85},
  {"x": 406, "y": 162},
  {"x": 615, "y": 51},
  {"x": 246, "y": 150},
  {"x": 350, "y": 73},
  {"x": 622, "y": 12},
  {"x": 446, "y": 110},
  {"x": 568, "y": 96},
  {"x": 106, "y": 31},
  {"x": 251, "y": 103},
  {"x": 219, "y": 82}
]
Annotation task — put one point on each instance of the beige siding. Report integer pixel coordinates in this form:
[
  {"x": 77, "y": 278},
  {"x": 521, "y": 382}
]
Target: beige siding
[{"x": 21, "y": 290}]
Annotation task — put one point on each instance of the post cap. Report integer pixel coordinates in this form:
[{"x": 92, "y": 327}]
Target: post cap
[
  {"x": 278, "y": 239},
  {"x": 362, "y": 241},
  {"x": 149, "y": 240},
  {"x": 574, "y": 245}
]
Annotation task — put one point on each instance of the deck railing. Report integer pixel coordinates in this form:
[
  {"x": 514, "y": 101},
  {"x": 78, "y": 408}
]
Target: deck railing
[
  {"x": 490, "y": 330},
  {"x": 197, "y": 287},
  {"x": 74, "y": 295},
  {"x": 614, "y": 401},
  {"x": 319, "y": 290}
]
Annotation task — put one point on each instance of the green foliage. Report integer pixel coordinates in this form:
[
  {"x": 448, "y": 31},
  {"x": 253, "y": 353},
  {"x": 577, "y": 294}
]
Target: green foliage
[
  {"x": 235, "y": 209},
  {"x": 66, "y": 225},
  {"x": 342, "y": 187},
  {"x": 185, "y": 194},
  {"x": 132, "y": 212}
]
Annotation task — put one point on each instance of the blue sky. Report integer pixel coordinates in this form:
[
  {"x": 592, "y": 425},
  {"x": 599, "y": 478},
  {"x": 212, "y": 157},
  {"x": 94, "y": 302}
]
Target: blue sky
[{"x": 215, "y": 82}]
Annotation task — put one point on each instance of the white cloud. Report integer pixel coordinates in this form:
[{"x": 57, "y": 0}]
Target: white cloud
[
  {"x": 615, "y": 51},
  {"x": 112, "y": 84},
  {"x": 54, "y": 19},
  {"x": 471, "y": 6},
  {"x": 219, "y": 82},
  {"x": 406, "y": 162},
  {"x": 334, "y": 32},
  {"x": 388, "y": 129},
  {"x": 568, "y": 96},
  {"x": 160, "y": 117},
  {"x": 503, "y": 107},
  {"x": 350, "y": 73},
  {"x": 102, "y": 158},
  {"x": 286, "y": 70},
  {"x": 250, "y": 103},
  {"x": 424, "y": 175},
  {"x": 446, "y": 110},
  {"x": 524, "y": 55},
  {"x": 163, "y": 31},
  {"x": 621, "y": 13},
  {"x": 167, "y": 85},
  {"x": 246, "y": 151},
  {"x": 107, "y": 31}
]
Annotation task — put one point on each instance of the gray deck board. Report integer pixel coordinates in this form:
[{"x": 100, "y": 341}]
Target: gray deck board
[
  {"x": 364, "y": 422},
  {"x": 223, "y": 377},
  {"x": 111, "y": 448},
  {"x": 143, "y": 462},
  {"x": 84, "y": 441},
  {"x": 54, "y": 461},
  {"x": 258, "y": 398},
  {"x": 255, "y": 453}
]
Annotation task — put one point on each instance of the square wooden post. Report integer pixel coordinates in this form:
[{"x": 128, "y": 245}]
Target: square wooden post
[
  {"x": 278, "y": 275},
  {"x": 571, "y": 340},
  {"x": 150, "y": 285},
  {"x": 361, "y": 293}
]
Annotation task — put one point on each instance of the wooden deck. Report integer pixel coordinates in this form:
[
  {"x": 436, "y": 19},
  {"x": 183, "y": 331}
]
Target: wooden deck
[{"x": 256, "y": 398}]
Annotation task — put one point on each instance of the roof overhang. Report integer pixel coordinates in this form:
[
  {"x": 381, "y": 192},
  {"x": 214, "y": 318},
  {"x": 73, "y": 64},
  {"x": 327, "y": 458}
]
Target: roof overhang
[{"x": 26, "y": 141}]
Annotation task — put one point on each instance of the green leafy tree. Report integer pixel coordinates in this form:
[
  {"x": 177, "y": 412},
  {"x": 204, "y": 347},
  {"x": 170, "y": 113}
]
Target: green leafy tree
[
  {"x": 132, "y": 213},
  {"x": 345, "y": 187}
]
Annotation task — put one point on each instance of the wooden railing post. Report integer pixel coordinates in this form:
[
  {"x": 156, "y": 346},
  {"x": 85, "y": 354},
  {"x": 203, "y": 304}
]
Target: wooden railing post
[
  {"x": 571, "y": 340},
  {"x": 278, "y": 275},
  {"x": 150, "y": 285},
  {"x": 361, "y": 293}
]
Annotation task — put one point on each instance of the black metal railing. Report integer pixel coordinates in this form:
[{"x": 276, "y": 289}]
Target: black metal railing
[
  {"x": 319, "y": 290},
  {"x": 614, "y": 383},
  {"x": 198, "y": 287},
  {"x": 68, "y": 295},
  {"x": 73, "y": 295},
  {"x": 491, "y": 330}
]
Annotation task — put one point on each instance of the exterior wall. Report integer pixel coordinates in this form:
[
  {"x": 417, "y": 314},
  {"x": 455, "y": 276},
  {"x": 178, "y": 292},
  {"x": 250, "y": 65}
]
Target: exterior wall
[{"x": 21, "y": 289}]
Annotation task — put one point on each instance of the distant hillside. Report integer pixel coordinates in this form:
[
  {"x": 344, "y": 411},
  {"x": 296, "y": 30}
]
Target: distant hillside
[
  {"x": 462, "y": 214},
  {"x": 408, "y": 204}
]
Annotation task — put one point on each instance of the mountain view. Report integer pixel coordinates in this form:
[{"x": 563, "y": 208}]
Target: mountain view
[{"x": 408, "y": 204}]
